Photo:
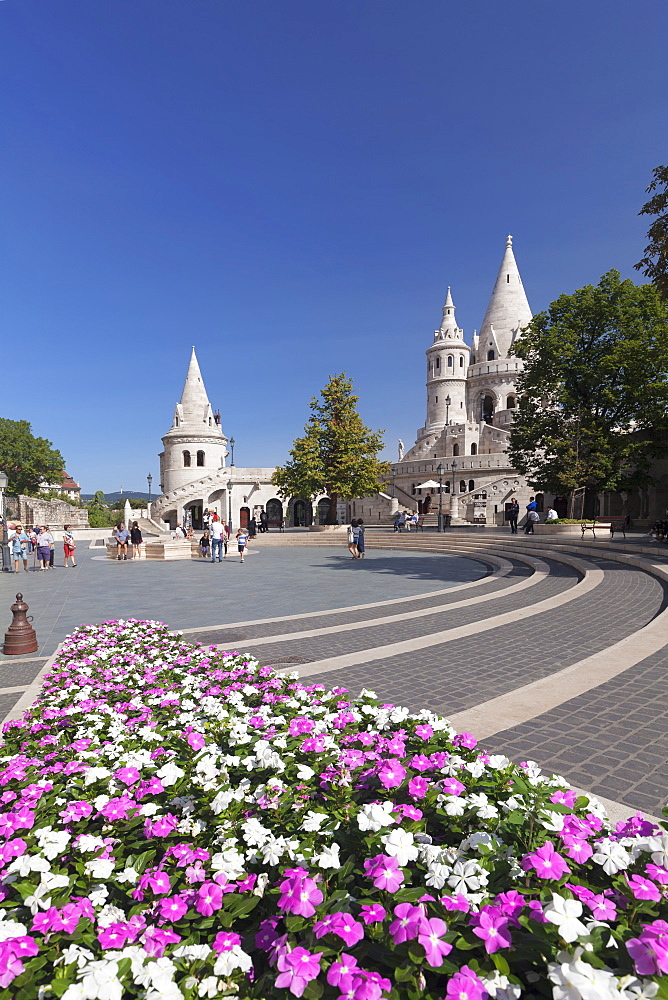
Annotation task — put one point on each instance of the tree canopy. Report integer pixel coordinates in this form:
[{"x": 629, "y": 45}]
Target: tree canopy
[
  {"x": 593, "y": 395},
  {"x": 338, "y": 454},
  {"x": 28, "y": 461},
  {"x": 654, "y": 264}
]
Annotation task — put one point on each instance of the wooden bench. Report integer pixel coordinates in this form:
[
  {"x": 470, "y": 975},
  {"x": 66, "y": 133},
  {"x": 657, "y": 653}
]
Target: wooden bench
[
  {"x": 420, "y": 523},
  {"x": 616, "y": 522}
]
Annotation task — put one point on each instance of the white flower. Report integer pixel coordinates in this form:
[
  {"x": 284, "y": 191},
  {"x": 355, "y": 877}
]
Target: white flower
[
  {"x": 564, "y": 914},
  {"x": 230, "y": 861},
  {"x": 254, "y": 833},
  {"x": 632, "y": 988},
  {"x": 28, "y": 863},
  {"x": 77, "y": 991},
  {"x": 273, "y": 851},
  {"x": 575, "y": 980},
  {"x": 312, "y": 821},
  {"x": 438, "y": 875},
  {"x": 454, "y": 805},
  {"x": 660, "y": 850},
  {"x": 375, "y": 815},
  {"x": 11, "y": 929},
  {"x": 169, "y": 773},
  {"x": 75, "y": 953},
  {"x": 400, "y": 844},
  {"x": 100, "y": 981},
  {"x": 100, "y": 867},
  {"x": 499, "y": 986},
  {"x": 466, "y": 875},
  {"x": 230, "y": 960},
  {"x": 110, "y": 915},
  {"x": 611, "y": 856},
  {"x": 128, "y": 875},
  {"x": 98, "y": 894},
  {"x": 193, "y": 952},
  {"x": 149, "y": 809},
  {"x": 94, "y": 774},
  {"x": 497, "y": 762},
  {"x": 87, "y": 842},
  {"x": 208, "y": 987},
  {"x": 51, "y": 881},
  {"x": 304, "y": 772},
  {"x": 52, "y": 842},
  {"x": 476, "y": 768},
  {"x": 328, "y": 857}
]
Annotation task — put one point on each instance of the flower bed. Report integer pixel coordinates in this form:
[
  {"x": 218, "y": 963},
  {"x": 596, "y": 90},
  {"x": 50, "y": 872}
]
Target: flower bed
[{"x": 180, "y": 822}]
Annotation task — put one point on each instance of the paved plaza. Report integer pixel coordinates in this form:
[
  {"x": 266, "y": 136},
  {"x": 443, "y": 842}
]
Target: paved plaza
[{"x": 554, "y": 655}]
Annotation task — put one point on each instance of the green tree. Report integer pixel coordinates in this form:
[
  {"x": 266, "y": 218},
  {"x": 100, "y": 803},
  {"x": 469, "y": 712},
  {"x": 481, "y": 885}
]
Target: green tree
[
  {"x": 28, "y": 460},
  {"x": 338, "y": 454},
  {"x": 654, "y": 264},
  {"x": 593, "y": 395}
]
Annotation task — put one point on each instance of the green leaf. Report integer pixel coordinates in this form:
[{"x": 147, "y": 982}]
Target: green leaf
[
  {"x": 500, "y": 963},
  {"x": 516, "y": 817}
]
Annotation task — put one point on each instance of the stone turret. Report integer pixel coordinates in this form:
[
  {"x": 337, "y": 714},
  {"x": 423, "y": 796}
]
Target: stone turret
[
  {"x": 507, "y": 312},
  {"x": 447, "y": 366},
  {"x": 194, "y": 446}
]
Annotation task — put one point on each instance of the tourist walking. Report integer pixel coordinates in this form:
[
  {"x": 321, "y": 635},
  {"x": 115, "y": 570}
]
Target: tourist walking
[
  {"x": 242, "y": 541},
  {"x": 68, "y": 546},
  {"x": 353, "y": 535},
  {"x": 264, "y": 521},
  {"x": 205, "y": 545},
  {"x": 226, "y": 538},
  {"x": 532, "y": 516},
  {"x": 121, "y": 534},
  {"x": 252, "y": 528},
  {"x": 360, "y": 538},
  {"x": 217, "y": 530},
  {"x": 44, "y": 541},
  {"x": 52, "y": 550},
  {"x": 136, "y": 538},
  {"x": 512, "y": 515},
  {"x": 18, "y": 543}
]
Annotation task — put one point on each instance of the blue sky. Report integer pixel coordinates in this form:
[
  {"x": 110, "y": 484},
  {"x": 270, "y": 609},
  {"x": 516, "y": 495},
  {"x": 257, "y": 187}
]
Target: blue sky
[{"x": 291, "y": 186}]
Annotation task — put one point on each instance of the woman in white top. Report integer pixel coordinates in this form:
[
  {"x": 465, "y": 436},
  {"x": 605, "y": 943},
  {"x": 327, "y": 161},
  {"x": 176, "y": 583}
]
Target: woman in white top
[{"x": 68, "y": 546}]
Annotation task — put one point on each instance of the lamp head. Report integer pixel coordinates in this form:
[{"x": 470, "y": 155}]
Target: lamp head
[
  {"x": 440, "y": 471},
  {"x": 229, "y": 484},
  {"x": 454, "y": 465},
  {"x": 447, "y": 400},
  {"x": 4, "y": 480}
]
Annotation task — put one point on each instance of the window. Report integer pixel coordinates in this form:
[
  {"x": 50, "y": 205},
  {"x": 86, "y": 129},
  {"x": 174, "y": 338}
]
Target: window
[
  {"x": 450, "y": 361},
  {"x": 455, "y": 449},
  {"x": 474, "y": 449},
  {"x": 413, "y": 489},
  {"x": 488, "y": 409},
  {"x": 507, "y": 279},
  {"x": 438, "y": 362},
  {"x": 200, "y": 458},
  {"x": 437, "y": 399},
  {"x": 186, "y": 459},
  {"x": 490, "y": 355},
  {"x": 462, "y": 486},
  {"x": 511, "y": 404},
  {"x": 471, "y": 486},
  {"x": 176, "y": 421},
  {"x": 446, "y": 487},
  {"x": 540, "y": 502},
  {"x": 473, "y": 359},
  {"x": 461, "y": 362}
]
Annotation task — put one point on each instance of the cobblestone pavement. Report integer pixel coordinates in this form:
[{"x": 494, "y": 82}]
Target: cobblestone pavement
[{"x": 611, "y": 740}]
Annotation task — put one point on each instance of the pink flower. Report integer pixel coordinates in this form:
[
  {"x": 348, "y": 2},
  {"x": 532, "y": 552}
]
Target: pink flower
[
  {"x": 340, "y": 973},
  {"x": 172, "y": 908},
  {"x": 546, "y": 862},
  {"x": 11, "y": 965},
  {"x": 420, "y": 763},
  {"x": 424, "y": 732},
  {"x": 225, "y": 941},
  {"x": 407, "y": 924},
  {"x": 372, "y": 913},
  {"x": 347, "y": 928},
  {"x": 452, "y": 787},
  {"x": 297, "y": 968},
  {"x": 467, "y": 740},
  {"x": 658, "y": 873},
  {"x": 465, "y": 985},
  {"x": 642, "y": 888},
  {"x": 578, "y": 850},
  {"x": 127, "y": 775},
  {"x": 158, "y": 883},
  {"x": 458, "y": 902},
  {"x": 300, "y": 895},
  {"x": 417, "y": 788},
  {"x": 75, "y": 811},
  {"x": 161, "y": 827},
  {"x": 156, "y": 939},
  {"x": 209, "y": 898},
  {"x": 385, "y": 872},
  {"x": 564, "y": 798},
  {"x": 430, "y": 937},
  {"x": 650, "y": 951},
  {"x": 196, "y": 741},
  {"x": 113, "y": 936},
  {"x": 391, "y": 774},
  {"x": 492, "y": 927}
]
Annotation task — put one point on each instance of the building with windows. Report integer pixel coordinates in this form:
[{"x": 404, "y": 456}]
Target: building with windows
[{"x": 471, "y": 395}]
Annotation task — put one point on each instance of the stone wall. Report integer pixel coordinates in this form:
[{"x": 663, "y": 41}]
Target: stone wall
[{"x": 56, "y": 513}]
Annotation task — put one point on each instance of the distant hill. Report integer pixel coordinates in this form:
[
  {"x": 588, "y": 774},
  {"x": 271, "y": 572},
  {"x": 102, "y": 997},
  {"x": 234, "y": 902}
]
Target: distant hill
[{"x": 112, "y": 498}]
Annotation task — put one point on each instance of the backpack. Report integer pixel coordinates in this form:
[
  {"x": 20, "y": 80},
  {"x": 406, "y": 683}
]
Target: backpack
[{"x": 534, "y": 516}]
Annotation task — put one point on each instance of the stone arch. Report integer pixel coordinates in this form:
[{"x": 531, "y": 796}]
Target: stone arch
[
  {"x": 274, "y": 510},
  {"x": 474, "y": 448},
  {"x": 455, "y": 449},
  {"x": 200, "y": 459},
  {"x": 462, "y": 486},
  {"x": 490, "y": 355},
  {"x": 471, "y": 485},
  {"x": 186, "y": 459},
  {"x": 511, "y": 402}
]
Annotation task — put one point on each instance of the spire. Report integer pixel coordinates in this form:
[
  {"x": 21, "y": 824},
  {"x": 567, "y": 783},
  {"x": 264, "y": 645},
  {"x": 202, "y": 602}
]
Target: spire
[
  {"x": 448, "y": 329},
  {"x": 194, "y": 410},
  {"x": 508, "y": 310}
]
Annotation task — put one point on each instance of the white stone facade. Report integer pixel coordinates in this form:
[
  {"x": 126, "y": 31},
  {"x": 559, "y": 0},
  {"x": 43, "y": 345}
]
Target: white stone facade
[{"x": 471, "y": 397}]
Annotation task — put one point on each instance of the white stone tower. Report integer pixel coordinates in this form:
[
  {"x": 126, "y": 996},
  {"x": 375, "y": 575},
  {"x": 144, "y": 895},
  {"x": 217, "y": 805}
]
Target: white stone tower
[
  {"x": 195, "y": 445},
  {"x": 447, "y": 367}
]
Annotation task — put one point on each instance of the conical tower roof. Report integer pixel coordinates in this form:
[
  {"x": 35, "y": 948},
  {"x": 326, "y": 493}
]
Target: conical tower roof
[
  {"x": 449, "y": 330},
  {"x": 508, "y": 310},
  {"x": 194, "y": 399}
]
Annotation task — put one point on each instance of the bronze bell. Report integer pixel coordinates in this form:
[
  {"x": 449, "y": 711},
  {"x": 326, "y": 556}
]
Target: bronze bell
[{"x": 20, "y": 637}]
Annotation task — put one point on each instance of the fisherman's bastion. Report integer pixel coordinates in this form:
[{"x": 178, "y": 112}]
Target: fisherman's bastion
[{"x": 460, "y": 451}]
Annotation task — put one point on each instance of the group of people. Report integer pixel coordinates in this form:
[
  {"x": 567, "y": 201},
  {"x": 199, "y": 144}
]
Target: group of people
[
  {"x": 41, "y": 544},
  {"x": 533, "y": 517},
  {"x": 125, "y": 537},
  {"x": 406, "y": 519},
  {"x": 356, "y": 538},
  {"x": 215, "y": 540}
]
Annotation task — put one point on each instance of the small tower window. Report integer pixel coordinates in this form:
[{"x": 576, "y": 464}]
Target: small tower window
[
  {"x": 186, "y": 459},
  {"x": 455, "y": 449},
  {"x": 449, "y": 360},
  {"x": 461, "y": 362},
  {"x": 474, "y": 449},
  {"x": 437, "y": 399},
  {"x": 473, "y": 359},
  {"x": 413, "y": 489},
  {"x": 471, "y": 486},
  {"x": 490, "y": 355},
  {"x": 176, "y": 421},
  {"x": 438, "y": 362},
  {"x": 511, "y": 404},
  {"x": 200, "y": 458},
  {"x": 462, "y": 486},
  {"x": 508, "y": 279}
]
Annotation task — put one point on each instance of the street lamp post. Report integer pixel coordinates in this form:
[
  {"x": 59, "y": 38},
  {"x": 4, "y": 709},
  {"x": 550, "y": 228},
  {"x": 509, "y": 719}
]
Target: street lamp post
[
  {"x": 232, "y": 447},
  {"x": 447, "y": 410},
  {"x": 149, "y": 480},
  {"x": 454, "y": 469},
  {"x": 229, "y": 502},
  {"x": 5, "y": 561},
  {"x": 440, "y": 472}
]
